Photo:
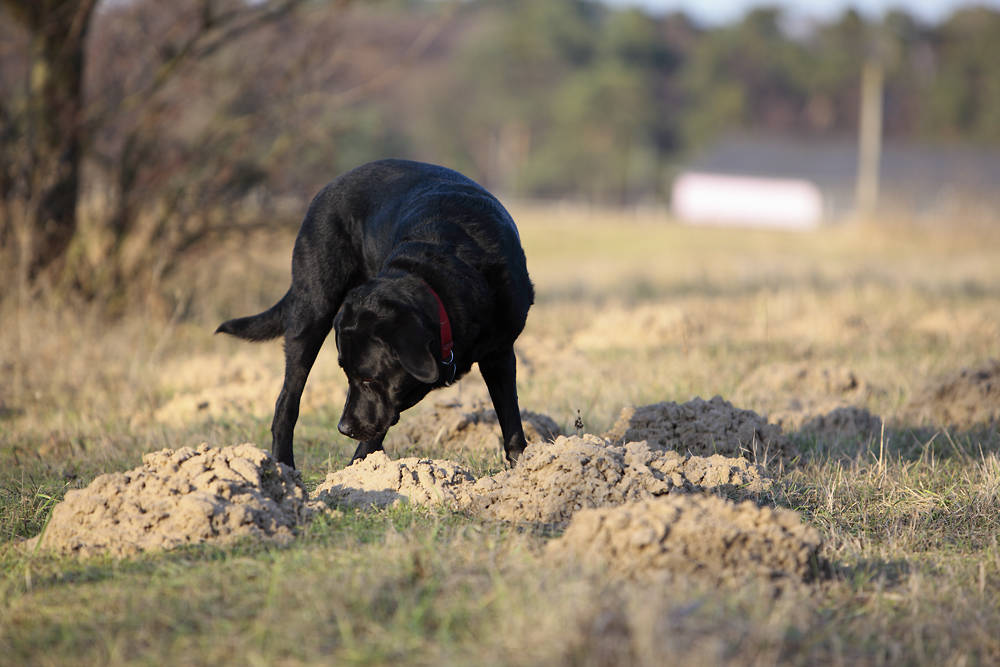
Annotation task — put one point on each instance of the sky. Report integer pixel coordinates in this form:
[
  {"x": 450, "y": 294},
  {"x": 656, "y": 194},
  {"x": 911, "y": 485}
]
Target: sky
[{"x": 711, "y": 13}]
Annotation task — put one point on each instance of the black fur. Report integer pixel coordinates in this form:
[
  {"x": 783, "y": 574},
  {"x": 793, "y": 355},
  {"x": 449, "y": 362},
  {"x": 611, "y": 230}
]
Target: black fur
[{"x": 373, "y": 244}]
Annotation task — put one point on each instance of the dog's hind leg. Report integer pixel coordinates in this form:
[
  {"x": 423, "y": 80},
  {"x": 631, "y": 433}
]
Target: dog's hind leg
[
  {"x": 500, "y": 373},
  {"x": 301, "y": 349},
  {"x": 368, "y": 447}
]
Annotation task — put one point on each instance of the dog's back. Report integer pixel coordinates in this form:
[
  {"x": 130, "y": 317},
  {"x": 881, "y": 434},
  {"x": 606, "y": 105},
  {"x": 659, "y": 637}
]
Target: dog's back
[
  {"x": 392, "y": 208},
  {"x": 361, "y": 217},
  {"x": 391, "y": 198}
]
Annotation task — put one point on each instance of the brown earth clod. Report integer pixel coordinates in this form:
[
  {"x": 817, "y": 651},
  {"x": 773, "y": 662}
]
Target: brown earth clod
[
  {"x": 378, "y": 481},
  {"x": 844, "y": 422},
  {"x": 189, "y": 496},
  {"x": 700, "y": 535},
  {"x": 963, "y": 399},
  {"x": 461, "y": 429},
  {"x": 180, "y": 497},
  {"x": 551, "y": 482},
  {"x": 800, "y": 396},
  {"x": 704, "y": 428}
]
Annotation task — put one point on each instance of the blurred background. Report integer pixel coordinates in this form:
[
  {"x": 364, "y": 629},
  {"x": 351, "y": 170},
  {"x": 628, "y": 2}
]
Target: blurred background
[{"x": 135, "y": 133}]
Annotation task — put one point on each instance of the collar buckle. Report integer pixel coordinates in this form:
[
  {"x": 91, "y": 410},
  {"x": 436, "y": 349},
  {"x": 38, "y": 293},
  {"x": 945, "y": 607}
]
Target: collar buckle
[
  {"x": 449, "y": 365},
  {"x": 447, "y": 353}
]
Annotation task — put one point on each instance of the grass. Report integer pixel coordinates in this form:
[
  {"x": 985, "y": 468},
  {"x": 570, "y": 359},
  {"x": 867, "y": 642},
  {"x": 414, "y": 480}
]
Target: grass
[{"x": 628, "y": 312}]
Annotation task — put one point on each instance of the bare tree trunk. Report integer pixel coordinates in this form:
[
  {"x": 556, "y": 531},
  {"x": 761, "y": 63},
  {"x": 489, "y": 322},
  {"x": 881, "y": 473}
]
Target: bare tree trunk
[{"x": 53, "y": 128}]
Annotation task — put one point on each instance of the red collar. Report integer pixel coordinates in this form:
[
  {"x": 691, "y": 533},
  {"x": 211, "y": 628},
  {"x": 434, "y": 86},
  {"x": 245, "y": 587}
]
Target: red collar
[{"x": 447, "y": 356}]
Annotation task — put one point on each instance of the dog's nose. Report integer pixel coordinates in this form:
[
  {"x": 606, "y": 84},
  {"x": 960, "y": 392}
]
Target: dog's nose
[{"x": 346, "y": 427}]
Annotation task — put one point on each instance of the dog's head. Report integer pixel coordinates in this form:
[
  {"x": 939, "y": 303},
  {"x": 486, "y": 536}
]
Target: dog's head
[{"x": 387, "y": 352}]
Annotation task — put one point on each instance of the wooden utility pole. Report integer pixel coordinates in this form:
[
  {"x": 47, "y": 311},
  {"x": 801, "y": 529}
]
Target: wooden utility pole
[{"x": 869, "y": 139}]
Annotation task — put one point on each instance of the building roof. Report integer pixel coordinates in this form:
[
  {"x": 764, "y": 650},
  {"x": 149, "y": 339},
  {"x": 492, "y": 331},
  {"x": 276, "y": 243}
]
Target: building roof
[{"x": 912, "y": 175}]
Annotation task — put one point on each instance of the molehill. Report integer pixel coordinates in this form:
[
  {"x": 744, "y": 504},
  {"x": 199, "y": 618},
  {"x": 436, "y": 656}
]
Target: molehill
[
  {"x": 704, "y": 428},
  {"x": 217, "y": 495},
  {"x": 553, "y": 481},
  {"x": 181, "y": 497},
  {"x": 963, "y": 399},
  {"x": 462, "y": 429},
  {"x": 684, "y": 535},
  {"x": 550, "y": 483}
]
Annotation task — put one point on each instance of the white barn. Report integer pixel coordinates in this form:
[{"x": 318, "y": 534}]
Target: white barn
[{"x": 788, "y": 183}]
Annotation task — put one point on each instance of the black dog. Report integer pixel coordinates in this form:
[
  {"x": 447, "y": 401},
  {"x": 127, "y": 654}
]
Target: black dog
[{"x": 421, "y": 272}]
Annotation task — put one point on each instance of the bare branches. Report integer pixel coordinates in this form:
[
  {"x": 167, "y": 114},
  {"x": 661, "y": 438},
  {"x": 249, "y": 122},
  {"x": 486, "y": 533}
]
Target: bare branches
[
  {"x": 398, "y": 69},
  {"x": 213, "y": 32}
]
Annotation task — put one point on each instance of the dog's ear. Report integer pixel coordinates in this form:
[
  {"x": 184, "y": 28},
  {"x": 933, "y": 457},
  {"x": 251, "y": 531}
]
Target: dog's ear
[
  {"x": 339, "y": 331},
  {"x": 413, "y": 344}
]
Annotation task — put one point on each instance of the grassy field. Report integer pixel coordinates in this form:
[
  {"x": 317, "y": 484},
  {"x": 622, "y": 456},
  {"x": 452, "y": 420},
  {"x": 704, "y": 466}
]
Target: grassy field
[{"x": 629, "y": 311}]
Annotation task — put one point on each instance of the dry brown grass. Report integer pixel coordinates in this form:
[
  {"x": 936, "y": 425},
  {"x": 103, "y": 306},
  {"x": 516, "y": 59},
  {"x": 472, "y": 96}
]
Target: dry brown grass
[{"x": 629, "y": 311}]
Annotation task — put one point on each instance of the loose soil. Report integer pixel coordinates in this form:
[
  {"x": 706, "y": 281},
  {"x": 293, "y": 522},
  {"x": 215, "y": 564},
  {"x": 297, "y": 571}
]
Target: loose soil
[
  {"x": 212, "y": 387},
  {"x": 844, "y": 422},
  {"x": 810, "y": 395},
  {"x": 456, "y": 428},
  {"x": 609, "y": 489},
  {"x": 963, "y": 399},
  {"x": 632, "y": 500},
  {"x": 177, "y": 498},
  {"x": 378, "y": 481},
  {"x": 694, "y": 534},
  {"x": 218, "y": 495},
  {"x": 550, "y": 483},
  {"x": 553, "y": 481},
  {"x": 704, "y": 428}
]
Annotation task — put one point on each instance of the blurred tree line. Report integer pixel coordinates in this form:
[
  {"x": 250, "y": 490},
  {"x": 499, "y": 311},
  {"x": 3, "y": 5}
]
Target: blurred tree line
[{"x": 133, "y": 132}]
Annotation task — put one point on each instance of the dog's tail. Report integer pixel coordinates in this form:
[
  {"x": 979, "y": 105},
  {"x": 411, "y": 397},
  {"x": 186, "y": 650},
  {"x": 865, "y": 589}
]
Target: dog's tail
[{"x": 256, "y": 328}]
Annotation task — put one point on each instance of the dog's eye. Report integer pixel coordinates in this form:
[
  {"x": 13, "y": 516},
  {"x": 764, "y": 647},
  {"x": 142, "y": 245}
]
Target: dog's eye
[{"x": 367, "y": 382}]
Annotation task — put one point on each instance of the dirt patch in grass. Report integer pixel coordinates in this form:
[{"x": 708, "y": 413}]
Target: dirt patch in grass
[
  {"x": 695, "y": 534},
  {"x": 704, "y": 428},
  {"x": 190, "y": 496},
  {"x": 553, "y": 481},
  {"x": 456, "y": 428},
  {"x": 181, "y": 497},
  {"x": 378, "y": 481},
  {"x": 209, "y": 387},
  {"x": 809, "y": 392},
  {"x": 844, "y": 422},
  {"x": 963, "y": 399},
  {"x": 800, "y": 379}
]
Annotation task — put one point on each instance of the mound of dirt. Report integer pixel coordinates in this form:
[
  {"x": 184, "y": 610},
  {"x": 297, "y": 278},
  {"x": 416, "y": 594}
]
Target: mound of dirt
[
  {"x": 804, "y": 380},
  {"x": 845, "y": 422},
  {"x": 459, "y": 429},
  {"x": 963, "y": 399},
  {"x": 796, "y": 394},
  {"x": 380, "y": 482},
  {"x": 190, "y": 496},
  {"x": 177, "y": 498},
  {"x": 550, "y": 483},
  {"x": 684, "y": 535},
  {"x": 254, "y": 397},
  {"x": 704, "y": 428},
  {"x": 207, "y": 387},
  {"x": 553, "y": 481}
]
